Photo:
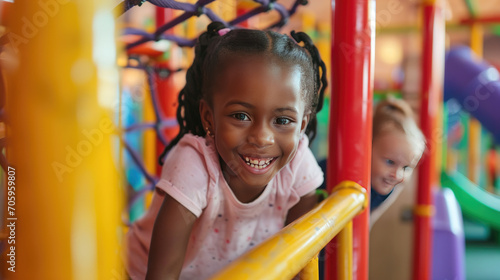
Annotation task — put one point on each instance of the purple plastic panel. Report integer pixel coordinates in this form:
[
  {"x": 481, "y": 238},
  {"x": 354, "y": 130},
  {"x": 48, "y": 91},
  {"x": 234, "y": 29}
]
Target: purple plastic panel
[
  {"x": 475, "y": 85},
  {"x": 448, "y": 252}
]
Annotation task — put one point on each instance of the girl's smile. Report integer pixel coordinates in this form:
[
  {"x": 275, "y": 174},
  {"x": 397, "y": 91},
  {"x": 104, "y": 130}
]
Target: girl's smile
[{"x": 259, "y": 163}]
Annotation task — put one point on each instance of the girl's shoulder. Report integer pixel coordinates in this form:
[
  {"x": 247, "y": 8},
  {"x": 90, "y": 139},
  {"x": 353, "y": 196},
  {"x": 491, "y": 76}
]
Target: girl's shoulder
[
  {"x": 193, "y": 151},
  {"x": 189, "y": 171},
  {"x": 190, "y": 142},
  {"x": 302, "y": 151},
  {"x": 303, "y": 173},
  {"x": 303, "y": 162}
]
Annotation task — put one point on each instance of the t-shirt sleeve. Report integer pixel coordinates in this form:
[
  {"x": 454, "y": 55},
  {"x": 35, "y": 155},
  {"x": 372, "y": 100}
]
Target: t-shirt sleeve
[
  {"x": 307, "y": 173},
  {"x": 185, "y": 176}
]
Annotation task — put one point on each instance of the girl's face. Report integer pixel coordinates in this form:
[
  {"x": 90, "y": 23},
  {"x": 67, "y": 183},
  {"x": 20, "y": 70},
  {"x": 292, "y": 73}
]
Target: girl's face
[
  {"x": 257, "y": 119},
  {"x": 393, "y": 160}
]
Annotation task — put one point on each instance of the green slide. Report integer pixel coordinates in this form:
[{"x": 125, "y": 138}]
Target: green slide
[{"x": 475, "y": 202}]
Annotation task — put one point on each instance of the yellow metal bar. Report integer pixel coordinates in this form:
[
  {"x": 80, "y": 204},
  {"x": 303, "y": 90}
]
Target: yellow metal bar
[
  {"x": 150, "y": 159},
  {"x": 226, "y": 9},
  {"x": 474, "y": 149},
  {"x": 476, "y": 39},
  {"x": 149, "y": 147},
  {"x": 287, "y": 252},
  {"x": 344, "y": 253},
  {"x": 424, "y": 210},
  {"x": 63, "y": 86},
  {"x": 310, "y": 271},
  {"x": 476, "y": 44}
]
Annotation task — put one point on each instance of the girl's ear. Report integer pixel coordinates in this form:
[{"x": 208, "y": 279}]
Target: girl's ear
[
  {"x": 305, "y": 122},
  {"x": 206, "y": 116}
]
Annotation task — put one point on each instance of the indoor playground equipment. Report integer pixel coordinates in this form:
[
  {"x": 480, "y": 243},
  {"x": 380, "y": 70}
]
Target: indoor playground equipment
[
  {"x": 75, "y": 133},
  {"x": 475, "y": 85},
  {"x": 62, "y": 84},
  {"x": 474, "y": 201},
  {"x": 448, "y": 234}
]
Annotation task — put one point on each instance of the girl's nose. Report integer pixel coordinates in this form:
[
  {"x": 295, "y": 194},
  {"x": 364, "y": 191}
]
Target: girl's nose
[
  {"x": 261, "y": 135},
  {"x": 400, "y": 175}
]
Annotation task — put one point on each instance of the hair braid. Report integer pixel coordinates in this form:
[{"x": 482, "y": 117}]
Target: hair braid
[
  {"x": 188, "y": 114},
  {"x": 320, "y": 81}
]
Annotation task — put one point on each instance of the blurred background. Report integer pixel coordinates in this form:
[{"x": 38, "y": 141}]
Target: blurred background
[{"x": 48, "y": 71}]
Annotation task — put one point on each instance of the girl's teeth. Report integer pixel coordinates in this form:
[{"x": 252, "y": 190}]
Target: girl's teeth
[
  {"x": 264, "y": 165},
  {"x": 259, "y": 164}
]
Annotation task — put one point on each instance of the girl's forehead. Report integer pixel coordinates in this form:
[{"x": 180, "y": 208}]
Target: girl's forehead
[
  {"x": 388, "y": 138},
  {"x": 396, "y": 143},
  {"x": 259, "y": 83},
  {"x": 258, "y": 69}
]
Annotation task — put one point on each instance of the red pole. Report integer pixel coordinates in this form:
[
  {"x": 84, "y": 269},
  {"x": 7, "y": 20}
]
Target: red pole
[
  {"x": 165, "y": 90},
  {"x": 349, "y": 156},
  {"x": 433, "y": 51}
]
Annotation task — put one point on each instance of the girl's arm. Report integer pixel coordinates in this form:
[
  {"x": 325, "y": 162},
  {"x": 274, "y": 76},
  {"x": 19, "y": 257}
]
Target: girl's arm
[
  {"x": 306, "y": 203},
  {"x": 169, "y": 240}
]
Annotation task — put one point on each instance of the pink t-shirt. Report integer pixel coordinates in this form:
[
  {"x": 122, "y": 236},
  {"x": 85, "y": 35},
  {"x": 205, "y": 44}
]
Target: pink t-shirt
[{"x": 225, "y": 228}]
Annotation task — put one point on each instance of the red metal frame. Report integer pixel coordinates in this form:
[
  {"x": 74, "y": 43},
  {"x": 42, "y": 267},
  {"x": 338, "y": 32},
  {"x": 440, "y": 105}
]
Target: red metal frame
[
  {"x": 350, "y": 125},
  {"x": 433, "y": 52},
  {"x": 491, "y": 19},
  {"x": 165, "y": 90}
]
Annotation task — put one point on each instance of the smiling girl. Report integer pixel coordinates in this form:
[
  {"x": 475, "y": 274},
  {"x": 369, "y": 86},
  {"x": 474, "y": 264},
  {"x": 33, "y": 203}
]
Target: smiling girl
[
  {"x": 240, "y": 168},
  {"x": 398, "y": 145}
]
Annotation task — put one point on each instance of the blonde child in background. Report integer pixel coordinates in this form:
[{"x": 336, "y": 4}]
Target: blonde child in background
[
  {"x": 397, "y": 146},
  {"x": 240, "y": 168}
]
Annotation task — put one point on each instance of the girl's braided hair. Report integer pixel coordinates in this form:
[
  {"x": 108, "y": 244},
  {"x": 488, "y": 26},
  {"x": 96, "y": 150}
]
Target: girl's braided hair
[{"x": 212, "y": 51}]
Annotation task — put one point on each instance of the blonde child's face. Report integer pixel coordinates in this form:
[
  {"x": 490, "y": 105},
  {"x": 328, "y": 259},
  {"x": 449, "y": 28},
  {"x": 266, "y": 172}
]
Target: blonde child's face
[
  {"x": 257, "y": 118},
  {"x": 393, "y": 159}
]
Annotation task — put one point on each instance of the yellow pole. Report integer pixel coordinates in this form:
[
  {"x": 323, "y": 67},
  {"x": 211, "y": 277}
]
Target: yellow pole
[
  {"x": 310, "y": 271},
  {"x": 476, "y": 39},
  {"x": 344, "y": 253},
  {"x": 150, "y": 159},
  {"x": 63, "y": 85},
  {"x": 287, "y": 252},
  {"x": 476, "y": 43},
  {"x": 226, "y": 9}
]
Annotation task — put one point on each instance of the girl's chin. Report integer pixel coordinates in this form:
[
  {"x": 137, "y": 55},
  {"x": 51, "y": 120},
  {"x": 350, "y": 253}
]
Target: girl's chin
[{"x": 385, "y": 190}]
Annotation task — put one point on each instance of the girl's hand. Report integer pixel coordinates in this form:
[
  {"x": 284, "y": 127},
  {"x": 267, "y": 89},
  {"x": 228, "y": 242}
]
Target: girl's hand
[{"x": 169, "y": 240}]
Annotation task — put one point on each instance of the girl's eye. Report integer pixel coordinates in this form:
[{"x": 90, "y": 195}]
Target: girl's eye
[
  {"x": 283, "y": 121},
  {"x": 406, "y": 168},
  {"x": 389, "y": 162},
  {"x": 241, "y": 117}
]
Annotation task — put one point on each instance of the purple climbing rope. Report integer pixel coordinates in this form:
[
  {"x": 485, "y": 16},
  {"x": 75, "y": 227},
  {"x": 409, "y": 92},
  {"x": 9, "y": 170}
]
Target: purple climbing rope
[
  {"x": 198, "y": 9},
  {"x": 158, "y": 125}
]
